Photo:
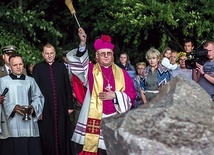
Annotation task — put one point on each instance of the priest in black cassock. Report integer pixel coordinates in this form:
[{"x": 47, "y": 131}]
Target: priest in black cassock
[{"x": 55, "y": 127}]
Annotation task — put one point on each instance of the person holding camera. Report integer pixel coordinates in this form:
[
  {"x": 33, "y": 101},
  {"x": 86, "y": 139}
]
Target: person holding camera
[{"x": 204, "y": 74}]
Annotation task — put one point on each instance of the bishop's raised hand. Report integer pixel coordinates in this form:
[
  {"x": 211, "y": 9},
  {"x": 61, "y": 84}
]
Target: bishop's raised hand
[{"x": 82, "y": 36}]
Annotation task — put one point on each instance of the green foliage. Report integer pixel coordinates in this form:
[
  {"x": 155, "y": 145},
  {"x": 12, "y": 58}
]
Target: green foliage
[
  {"x": 134, "y": 25},
  {"x": 137, "y": 25},
  {"x": 26, "y": 30}
]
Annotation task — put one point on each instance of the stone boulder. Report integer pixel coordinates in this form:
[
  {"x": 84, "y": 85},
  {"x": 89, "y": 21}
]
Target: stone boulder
[{"x": 179, "y": 121}]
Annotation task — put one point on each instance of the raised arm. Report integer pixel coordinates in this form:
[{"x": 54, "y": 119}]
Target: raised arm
[
  {"x": 82, "y": 36},
  {"x": 82, "y": 46}
]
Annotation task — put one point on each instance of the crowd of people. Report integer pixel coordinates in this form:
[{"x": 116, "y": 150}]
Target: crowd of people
[{"x": 35, "y": 112}]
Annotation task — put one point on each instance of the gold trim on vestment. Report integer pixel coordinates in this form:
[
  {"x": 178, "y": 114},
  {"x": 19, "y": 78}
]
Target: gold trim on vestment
[{"x": 96, "y": 106}]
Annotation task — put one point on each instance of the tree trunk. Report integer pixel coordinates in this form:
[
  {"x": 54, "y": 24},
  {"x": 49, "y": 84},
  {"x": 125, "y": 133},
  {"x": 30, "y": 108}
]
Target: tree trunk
[{"x": 20, "y": 4}]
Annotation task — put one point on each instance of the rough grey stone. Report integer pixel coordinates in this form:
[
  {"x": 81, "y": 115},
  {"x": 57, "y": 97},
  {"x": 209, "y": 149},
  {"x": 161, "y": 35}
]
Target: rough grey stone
[{"x": 179, "y": 121}]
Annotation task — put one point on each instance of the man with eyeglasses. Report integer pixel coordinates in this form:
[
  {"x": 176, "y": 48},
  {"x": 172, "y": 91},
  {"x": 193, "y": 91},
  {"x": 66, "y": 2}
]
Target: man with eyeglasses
[{"x": 110, "y": 91}]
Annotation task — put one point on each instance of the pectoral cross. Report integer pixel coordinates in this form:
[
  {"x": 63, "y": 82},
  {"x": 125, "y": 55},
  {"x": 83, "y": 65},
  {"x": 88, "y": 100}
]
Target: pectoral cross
[{"x": 108, "y": 86}]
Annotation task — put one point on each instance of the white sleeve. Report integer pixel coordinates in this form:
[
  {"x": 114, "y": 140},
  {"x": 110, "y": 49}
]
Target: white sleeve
[
  {"x": 123, "y": 102},
  {"x": 79, "y": 65},
  {"x": 167, "y": 64}
]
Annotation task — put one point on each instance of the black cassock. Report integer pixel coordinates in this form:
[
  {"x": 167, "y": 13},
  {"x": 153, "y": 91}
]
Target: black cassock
[{"x": 55, "y": 127}]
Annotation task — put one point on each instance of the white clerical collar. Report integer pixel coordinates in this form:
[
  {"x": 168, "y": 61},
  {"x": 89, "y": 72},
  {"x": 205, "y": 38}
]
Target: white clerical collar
[
  {"x": 50, "y": 63},
  {"x": 17, "y": 77}
]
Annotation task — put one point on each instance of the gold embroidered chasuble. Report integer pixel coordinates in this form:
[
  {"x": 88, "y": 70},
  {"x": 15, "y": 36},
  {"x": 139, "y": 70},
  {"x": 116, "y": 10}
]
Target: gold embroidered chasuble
[{"x": 96, "y": 106}]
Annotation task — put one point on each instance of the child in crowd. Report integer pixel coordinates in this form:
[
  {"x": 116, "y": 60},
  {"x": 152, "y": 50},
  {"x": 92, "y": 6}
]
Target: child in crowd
[
  {"x": 140, "y": 66},
  {"x": 166, "y": 59}
]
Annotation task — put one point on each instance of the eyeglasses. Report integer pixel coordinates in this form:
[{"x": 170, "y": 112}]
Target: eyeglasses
[
  {"x": 103, "y": 54},
  {"x": 182, "y": 59}
]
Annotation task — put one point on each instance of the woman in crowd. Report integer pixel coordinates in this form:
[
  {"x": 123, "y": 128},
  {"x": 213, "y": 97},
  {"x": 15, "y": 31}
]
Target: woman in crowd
[
  {"x": 154, "y": 75},
  {"x": 182, "y": 68},
  {"x": 125, "y": 63}
]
